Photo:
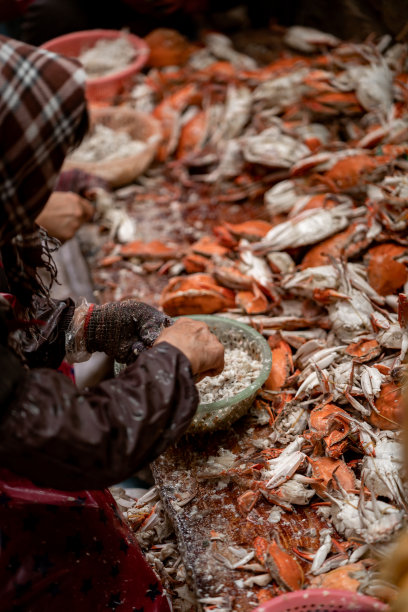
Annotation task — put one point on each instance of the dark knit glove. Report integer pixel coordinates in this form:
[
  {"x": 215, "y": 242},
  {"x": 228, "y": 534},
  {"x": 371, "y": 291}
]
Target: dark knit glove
[{"x": 124, "y": 329}]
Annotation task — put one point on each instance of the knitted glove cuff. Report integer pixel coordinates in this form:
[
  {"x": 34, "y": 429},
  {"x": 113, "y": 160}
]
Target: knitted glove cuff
[{"x": 75, "y": 344}]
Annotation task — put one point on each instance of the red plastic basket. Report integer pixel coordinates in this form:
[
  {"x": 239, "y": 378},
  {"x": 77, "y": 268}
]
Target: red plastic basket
[
  {"x": 322, "y": 600},
  {"x": 101, "y": 89}
]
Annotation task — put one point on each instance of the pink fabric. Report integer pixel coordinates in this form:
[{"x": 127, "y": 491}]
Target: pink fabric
[{"x": 69, "y": 551}]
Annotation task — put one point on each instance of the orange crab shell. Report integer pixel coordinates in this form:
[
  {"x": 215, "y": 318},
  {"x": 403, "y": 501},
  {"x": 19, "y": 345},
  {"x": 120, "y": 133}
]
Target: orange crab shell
[
  {"x": 281, "y": 565},
  {"x": 328, "y": 296},
  {"x": 224, "y": 236},
  {"x": 232, "y": 278},
  {"x": 333, "y": 103},
  {"x": 195, "y": 263},
  {"x": 330, "y": 423},
  {"x": 335, "y": 246},
  {"x": 282, "y": 363},
  {"x": 220, "y": 71},
  {"x": 323, "y": 469},
  {"x": 168, "y": 113},
  {"x": 389, "y": 404},
  {"x": 385, "y": 274},
  {"x": 195, "y": 294},
  {"x": 364, "y": 350},
  {"x": 321, "y": 200},
  {"x": 322, "y": 417},
  {"x": 148, "y": 250},
  {"x": 246, "y": 502},
  {"x": 109, "y": 260},
  {"x": 265, "y": 595},
  {"x": 208, "y": 247},
  {"x": 348, "y": 172},
  {"x": 252, "y": 230},
  {"x": 192, "y": 135},
  {"x": 340, "y": 578},
  {"x": 252, "y": 302}
]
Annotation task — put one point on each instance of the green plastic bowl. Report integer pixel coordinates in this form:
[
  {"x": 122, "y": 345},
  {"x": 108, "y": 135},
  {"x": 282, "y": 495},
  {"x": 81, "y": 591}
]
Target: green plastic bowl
[{"x": 221, "y": 414}]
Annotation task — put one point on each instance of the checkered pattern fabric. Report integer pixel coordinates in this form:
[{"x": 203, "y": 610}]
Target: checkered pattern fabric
[{"x": 42, "y": 116}]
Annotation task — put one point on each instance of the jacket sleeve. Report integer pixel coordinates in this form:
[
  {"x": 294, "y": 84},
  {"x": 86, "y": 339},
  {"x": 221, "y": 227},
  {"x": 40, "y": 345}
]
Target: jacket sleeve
[
  {"x": 58, "y": 437},
  {"x": 44, "y": 346}
]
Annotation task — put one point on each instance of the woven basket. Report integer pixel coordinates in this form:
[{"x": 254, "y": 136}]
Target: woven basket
[{"x": 124, "y": 170}]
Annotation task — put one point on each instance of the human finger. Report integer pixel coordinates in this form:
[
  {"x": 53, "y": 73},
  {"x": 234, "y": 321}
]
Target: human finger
[{"x": 87, "y": 209}]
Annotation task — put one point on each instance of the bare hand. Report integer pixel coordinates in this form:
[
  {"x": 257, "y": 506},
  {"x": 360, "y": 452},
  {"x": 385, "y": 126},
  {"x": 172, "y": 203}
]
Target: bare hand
[
  {"x": 201, "y": 347},
  {"x": 64, "y": 214}
]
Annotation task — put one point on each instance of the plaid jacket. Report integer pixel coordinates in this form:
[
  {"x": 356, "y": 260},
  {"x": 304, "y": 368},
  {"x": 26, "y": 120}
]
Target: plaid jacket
[{"x": 42, "y": 116}]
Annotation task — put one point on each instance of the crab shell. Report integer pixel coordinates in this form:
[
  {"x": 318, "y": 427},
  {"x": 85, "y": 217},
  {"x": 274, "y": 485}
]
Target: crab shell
[
  {"x": 324, "y": 468},
  {"x": 343, "y": 578},
  {"x": 252, "y": 302},
  {"x": 282, "y": 363},
  {"x": 229, "y": 276},
  {"x": 348, "y": 172},
  {"x": 251, "y": 230},
  {"x": 364, "y": 350},
  {"x": 148, "y": 250},
  {"x": 330, "y": 423},
  {"x": 209, "y": 247},
  {"x": 334, "y": 246},
  {"x": 389, "y": 404},
  {"x": 385, "y": 274},
  {"x": 195, "y": 294},
  {"x": 333, "y": 103},
  {"x": 193, "y": 134},
  {"x": 282, "y": 566},
  {"x": 194, "y": 263},
  {"x": 168, "y": 113},
  {"x": 322, "y": 418},
  {"x": 246, "y": 502}
]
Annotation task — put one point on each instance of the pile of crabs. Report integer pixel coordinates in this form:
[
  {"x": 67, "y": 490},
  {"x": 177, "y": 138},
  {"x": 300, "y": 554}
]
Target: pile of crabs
[{"x": 321, "y": 136}]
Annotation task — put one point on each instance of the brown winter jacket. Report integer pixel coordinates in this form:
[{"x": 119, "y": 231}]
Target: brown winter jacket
[{"x": 59, "y": 437}]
